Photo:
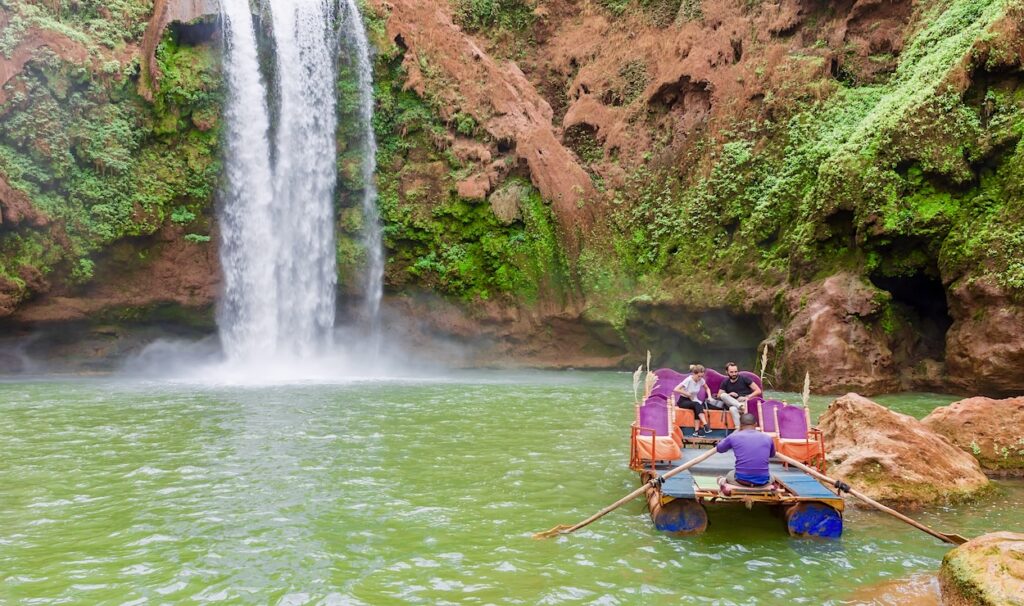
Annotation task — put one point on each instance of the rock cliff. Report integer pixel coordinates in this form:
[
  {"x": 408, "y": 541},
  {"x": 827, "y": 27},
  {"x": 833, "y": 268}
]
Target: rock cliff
[{"x": 573, "y": 181}]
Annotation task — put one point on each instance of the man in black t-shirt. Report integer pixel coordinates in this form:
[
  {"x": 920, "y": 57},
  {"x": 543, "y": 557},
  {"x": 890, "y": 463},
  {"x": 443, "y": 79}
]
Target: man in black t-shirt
[{"x": 736, "y": 390}]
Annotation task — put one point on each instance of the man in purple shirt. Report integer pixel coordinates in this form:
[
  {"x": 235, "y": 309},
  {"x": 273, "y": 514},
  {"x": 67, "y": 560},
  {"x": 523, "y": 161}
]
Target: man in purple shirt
[{"x": 752, "y": 449}]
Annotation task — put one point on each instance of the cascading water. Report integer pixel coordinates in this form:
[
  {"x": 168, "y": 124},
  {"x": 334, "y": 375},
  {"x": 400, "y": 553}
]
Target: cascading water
[
  {"x": 305, "y": 173},
  {"x": 277, "y": 217},
  {"x": 372, "y": 241},
  {"x": 248, "y": 314}
]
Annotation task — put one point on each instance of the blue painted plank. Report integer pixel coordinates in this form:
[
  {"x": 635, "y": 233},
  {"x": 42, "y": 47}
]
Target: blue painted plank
[
  {"x": 802, "y": 484},
  {"x": 679, "y": 486}
]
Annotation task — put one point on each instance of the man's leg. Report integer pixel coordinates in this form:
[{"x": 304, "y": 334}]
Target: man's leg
[{"x": 734, "y": 408}]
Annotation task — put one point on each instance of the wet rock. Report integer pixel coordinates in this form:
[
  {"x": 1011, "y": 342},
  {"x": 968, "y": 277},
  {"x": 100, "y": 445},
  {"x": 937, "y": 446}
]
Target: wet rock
[
  {"x": 505, "y": 203},
  {"x": 985, "y": 344},
  {"x": 173, "y": 272},
  {"x": 986, "y": 571},
  {"x": 991, "y": 430},
  {"x": 915, "y": 590},
  {"x": 894, "y": 457},
  {"x": 828, "y": 336}
]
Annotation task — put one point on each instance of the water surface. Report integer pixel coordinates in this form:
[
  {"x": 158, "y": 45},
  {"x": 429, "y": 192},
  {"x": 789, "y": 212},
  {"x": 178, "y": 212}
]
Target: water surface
[{"x": 416, "y": 491}]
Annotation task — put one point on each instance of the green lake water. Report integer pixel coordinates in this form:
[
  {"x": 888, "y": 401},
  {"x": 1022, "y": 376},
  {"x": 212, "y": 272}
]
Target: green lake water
[{"x": 402, "y": 491}]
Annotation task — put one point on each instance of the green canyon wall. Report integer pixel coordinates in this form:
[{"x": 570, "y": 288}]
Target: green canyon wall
[{"x": 566, "y": 182}]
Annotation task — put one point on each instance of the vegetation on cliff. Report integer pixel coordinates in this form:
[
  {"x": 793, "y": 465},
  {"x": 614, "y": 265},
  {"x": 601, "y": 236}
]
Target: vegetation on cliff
[
  {"x": 98, "y": 162},
  {"x": 752, "y": 146}
]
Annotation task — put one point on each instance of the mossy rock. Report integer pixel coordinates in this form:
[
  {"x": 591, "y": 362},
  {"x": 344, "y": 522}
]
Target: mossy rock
[{"x": 986, "y": 571}]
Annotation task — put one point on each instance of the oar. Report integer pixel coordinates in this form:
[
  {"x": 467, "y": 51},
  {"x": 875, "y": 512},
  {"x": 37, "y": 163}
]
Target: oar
[
  {"x": 842, "y": 486},
  {"x": 654, "y": 483}
]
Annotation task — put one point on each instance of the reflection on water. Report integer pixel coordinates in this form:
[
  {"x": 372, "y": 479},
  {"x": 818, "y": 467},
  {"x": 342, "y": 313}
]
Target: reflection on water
[{"x": 375, "y": 492}]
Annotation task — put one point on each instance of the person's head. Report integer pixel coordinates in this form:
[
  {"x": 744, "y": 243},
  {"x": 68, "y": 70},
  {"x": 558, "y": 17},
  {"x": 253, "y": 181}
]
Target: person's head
[
  {"x": 732, "y": 370},
  {"x": 697, "y": 370},
  {"x": 747, "y": 421}
]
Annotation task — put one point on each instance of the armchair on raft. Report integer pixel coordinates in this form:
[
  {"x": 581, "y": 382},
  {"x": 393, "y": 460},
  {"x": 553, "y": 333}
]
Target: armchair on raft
[
  {"x": 796, "y": 437},
  {"x": 766, "y": 419},
  {"x": 654, "y": 435}
]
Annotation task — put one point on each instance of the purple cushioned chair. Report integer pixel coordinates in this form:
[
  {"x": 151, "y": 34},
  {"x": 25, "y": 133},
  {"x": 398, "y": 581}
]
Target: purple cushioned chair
[
  {"x": 767, "y": 415},
  {"x": 792, "y": 422},
  {"x": 654, "y": 414}
]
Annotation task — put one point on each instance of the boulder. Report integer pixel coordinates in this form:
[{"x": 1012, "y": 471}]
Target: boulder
[
  {"x": 985, "y": 344},
  {"x": 505, "y": 203},
  {"x": 986, "y": 571},
  {"x": 831, "y": 336},
  {"x": 991, "y": 430},
  {"x": 894, "y": 457}
]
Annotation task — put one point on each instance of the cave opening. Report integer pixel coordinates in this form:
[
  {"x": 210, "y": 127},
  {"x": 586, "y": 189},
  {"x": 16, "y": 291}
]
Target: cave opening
[
  {"x": 921, "y": 299},
  {"x": 202, "y": 31}
]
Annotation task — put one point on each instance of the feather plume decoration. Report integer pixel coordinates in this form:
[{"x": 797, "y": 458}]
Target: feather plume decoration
[
  {"x": 764, "y": 360},
  {"x": 807, "y": 389},
  {"x": 637, "y": 378}
]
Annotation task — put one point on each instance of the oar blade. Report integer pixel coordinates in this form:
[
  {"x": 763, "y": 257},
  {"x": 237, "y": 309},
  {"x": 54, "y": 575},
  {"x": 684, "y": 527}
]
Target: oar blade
[
  {"x": 553, "y": 532},
  {"x": 956, "y": 539}
]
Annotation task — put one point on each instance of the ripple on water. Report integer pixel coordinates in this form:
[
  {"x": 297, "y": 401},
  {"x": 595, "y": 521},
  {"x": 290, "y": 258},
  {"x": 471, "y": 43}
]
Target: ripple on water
[{"x": 424, "y": 492}]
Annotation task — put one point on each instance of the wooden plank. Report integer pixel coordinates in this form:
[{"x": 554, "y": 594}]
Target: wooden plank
[
  {"x": 801, "y": 484},
  {"x": 679, "y": 486}
]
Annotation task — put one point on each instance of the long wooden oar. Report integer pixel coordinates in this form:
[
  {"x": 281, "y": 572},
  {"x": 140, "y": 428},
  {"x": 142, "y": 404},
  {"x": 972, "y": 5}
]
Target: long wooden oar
[
  {"x": 654, "y": 483},
  {"x": 842, "y": 486}
]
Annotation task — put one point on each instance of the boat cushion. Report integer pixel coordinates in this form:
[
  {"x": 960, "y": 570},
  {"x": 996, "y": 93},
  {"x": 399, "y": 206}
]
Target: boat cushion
[{"x": 665, "y": 448}]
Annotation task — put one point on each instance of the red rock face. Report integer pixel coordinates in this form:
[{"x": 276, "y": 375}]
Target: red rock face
[
  {"x": 984, "y": 348},
  {"x": 829, "y": 336},
  {"x": 990, "y": 430},
  {"x": 175, "y": 271},
  {"x": 12, "y": 65},
  {"x": 894, "y": 457},
  {"x": 501, "y": 99}
]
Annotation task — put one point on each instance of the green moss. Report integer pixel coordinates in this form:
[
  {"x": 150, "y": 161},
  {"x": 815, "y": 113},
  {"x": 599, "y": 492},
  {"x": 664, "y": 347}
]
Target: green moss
[
  {"x": 510, "y": 15},
  {"x": 99, "y": 160}
]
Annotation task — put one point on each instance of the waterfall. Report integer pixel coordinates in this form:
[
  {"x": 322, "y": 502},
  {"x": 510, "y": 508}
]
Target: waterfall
[
  {"x": 248, "y": 250},
  {"x": 277, "y": 212},
  {"x": 305, "y": 173},
  {"x": 278, "y": 246},
  {"x": 373, "y": 280}
]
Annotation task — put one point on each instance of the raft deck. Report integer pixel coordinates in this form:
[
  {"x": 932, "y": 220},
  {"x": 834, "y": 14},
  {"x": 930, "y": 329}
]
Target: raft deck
[{"x": 701, "y": 480}]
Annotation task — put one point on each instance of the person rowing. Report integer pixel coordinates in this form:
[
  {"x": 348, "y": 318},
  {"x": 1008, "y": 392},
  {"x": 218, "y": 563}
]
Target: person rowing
[{"x": 753, "y": 449}]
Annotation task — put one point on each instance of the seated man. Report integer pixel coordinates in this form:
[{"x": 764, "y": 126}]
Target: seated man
[
  {"x": 735, "y": 391},
  {"x": 752, "y": 449}
]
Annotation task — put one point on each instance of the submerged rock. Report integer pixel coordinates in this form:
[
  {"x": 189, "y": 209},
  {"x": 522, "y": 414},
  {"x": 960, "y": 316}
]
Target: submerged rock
[
  {"x": 988, "y": 570},
  {"x": 915, "y": 590},
  {"x": 894, "y": 457},
  {"x": 991, "y": 430}
]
